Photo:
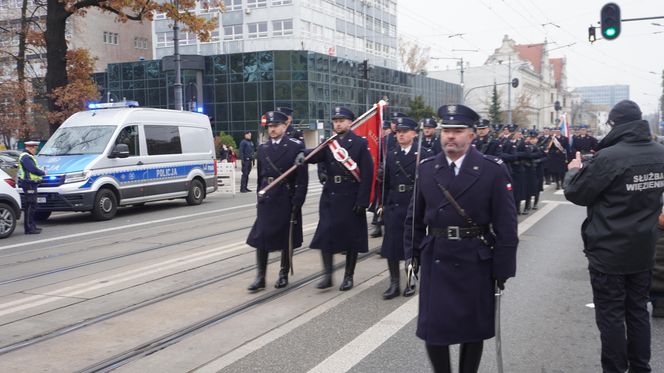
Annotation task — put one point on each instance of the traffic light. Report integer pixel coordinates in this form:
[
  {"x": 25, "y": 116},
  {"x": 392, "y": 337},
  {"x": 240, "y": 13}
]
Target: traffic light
[
  {"x": 592, "y": 37},
  {"x": 364, "y": 69},
  {"x": 556, "y": 106},
  {"x": 515, "y": 82},
  {"x": 610, "y": 20}
]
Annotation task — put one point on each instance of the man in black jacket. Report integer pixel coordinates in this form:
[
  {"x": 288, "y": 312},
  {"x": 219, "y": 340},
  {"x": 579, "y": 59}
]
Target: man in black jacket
[{"x": 622, "y": 186}]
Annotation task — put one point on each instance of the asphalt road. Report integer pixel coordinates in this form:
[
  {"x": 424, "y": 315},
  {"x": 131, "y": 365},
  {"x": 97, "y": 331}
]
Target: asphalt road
[{"x": 162, "y": 288}]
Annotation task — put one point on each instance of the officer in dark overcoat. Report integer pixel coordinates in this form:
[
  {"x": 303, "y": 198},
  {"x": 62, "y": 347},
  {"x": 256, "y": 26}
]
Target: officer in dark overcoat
[
  {"x": 543, "y": 141},
  {"x": 376, "y": 205},
  {"x": 430, "y": 140},
  {"x": 583, "y": 143},
  {"x": 247, "y": 157},
  {"x": 280, "y": 206},
  {"x": 399, "y": 181},
  {"x": 343, "y": 224},
  {"x": 290, "y": 130},
  {"x": 484, "y": 141},
  {"x": 461, "y": 260},
  {"x": 532, "y": 157},
  {"x": 556, "y": 150}
]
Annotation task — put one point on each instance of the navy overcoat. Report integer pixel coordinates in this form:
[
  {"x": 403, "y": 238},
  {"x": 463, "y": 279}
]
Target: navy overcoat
[
  {"x": 457, "y": 276},
  {"x": 273, "y": 216}
]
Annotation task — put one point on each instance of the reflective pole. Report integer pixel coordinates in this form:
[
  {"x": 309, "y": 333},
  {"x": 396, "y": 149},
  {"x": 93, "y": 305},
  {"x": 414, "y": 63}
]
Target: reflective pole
[{"x": 178, "y": 67}]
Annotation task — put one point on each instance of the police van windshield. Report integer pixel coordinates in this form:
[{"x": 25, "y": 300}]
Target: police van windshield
[{"x": 78, "y": 140}]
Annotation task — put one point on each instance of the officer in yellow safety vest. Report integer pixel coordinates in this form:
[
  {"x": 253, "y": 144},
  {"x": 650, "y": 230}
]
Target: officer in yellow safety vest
[{"x": 29, "y": 177}]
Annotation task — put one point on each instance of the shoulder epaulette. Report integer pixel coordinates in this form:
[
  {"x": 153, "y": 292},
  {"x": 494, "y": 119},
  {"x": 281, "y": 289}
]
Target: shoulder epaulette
[
  {"x": 295, "y": 140},
  {"x": 493, "y": 159},
  {"x": 427, "y": 159}
]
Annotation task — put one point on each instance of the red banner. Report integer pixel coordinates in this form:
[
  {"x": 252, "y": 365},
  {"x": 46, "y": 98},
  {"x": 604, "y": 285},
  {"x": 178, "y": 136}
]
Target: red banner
[{"x": 371, "y": 130}]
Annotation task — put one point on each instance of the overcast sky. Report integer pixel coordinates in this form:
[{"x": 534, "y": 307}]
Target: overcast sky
[{"x": 635, "y": 58}]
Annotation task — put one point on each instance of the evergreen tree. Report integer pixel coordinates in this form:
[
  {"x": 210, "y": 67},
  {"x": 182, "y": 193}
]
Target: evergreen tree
[
  {"x": 494, "y": 106},
  {"x": 418, "y": 109}
]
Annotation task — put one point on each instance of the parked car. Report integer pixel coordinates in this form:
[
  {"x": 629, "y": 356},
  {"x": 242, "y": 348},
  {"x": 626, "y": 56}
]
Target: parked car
[
  {"x": 10, "y": 205},
  {"x": 11, "y": 153},
  {"x": 9, "y": 165}
]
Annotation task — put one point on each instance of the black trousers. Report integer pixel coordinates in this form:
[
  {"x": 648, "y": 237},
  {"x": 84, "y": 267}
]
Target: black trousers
[
  {"x": 621, "y": 313},
  {"x": 29, "y": 208},
  {"x": 246, "y": 169}
]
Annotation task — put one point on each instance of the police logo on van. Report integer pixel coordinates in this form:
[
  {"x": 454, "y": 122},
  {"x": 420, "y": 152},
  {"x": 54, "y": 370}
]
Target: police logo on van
[{"x": 167, "y": 172}]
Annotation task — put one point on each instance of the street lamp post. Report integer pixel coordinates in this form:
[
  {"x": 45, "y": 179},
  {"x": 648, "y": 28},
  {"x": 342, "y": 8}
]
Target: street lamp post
[
  {"x": 460, "y": 62},
  {"x": 177, "y": 93}
]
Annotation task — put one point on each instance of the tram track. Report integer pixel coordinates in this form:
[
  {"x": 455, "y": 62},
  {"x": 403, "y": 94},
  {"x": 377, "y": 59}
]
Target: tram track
[{"x": 175, "y": 336}]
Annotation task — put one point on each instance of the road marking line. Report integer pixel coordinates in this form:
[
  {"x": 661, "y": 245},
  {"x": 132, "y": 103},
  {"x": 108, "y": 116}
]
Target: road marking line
[
  {"x": 100, "y": 283},
  {"x": 360, "y": 347},
  {"x": 559, "y": 192},
  {"x": 222, "y": 362},
  {"x": 351, "y": 354},
  {"x": 558, "y": 202},
  {"x": 105, "y": 230}
]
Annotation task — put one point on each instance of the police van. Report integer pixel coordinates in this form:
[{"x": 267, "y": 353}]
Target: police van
[{"x": 119, "y": 154}]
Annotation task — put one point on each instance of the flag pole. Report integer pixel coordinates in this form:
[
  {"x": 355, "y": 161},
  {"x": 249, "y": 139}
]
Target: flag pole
[{"x": 356, "y": 123}]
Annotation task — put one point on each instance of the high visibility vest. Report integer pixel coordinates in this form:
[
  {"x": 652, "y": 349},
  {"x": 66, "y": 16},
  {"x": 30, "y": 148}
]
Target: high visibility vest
[{"x": 21, "y": 172}]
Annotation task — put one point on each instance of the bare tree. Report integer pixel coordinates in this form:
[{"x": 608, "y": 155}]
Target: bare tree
[{"x": 413, "y": 57}]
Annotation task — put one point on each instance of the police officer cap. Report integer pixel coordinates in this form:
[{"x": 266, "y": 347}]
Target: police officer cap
[
  {"x": 405, "y": 123},
  {"x": 429, "y": 123},
  {"x": 511, "y": 127},
  {"x": 533, "y": 133},
  {"x": 341, "y": 112},
  {"x": 397, "y": 114},
  {"x": 458, "y": 116},
  {"x": 285, "y": 109},
  {"x": 497, "y": 127},
  {"x": 624, "y": 112},
  {"x": 275, "y": 117},
  {"x": 32, "y": 143},
  {"x": 484, "y": 123},
  {"x": 386, "y": 124}
]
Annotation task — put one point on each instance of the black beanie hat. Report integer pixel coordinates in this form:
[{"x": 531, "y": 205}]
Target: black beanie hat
[{"x": 624, "y": 112}]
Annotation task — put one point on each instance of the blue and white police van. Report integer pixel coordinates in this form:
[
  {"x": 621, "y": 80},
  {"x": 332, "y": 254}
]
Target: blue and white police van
[{"x": 119, "y": 154}]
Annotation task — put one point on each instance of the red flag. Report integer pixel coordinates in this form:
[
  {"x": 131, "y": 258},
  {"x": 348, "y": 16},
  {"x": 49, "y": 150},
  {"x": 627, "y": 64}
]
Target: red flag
[{"x": 371, "y": 130}]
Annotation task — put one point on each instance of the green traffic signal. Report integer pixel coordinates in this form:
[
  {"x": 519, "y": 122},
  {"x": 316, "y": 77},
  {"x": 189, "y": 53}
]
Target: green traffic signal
[
  {"x": 610, "y": 32},
  {"x": 610, "y": 21}
]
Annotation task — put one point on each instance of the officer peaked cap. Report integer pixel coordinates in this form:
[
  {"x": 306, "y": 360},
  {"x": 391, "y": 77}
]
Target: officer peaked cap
[
  {"x": 341, "y": 112},
  {"x": 429, "y": 123},
  {"x": 386, "y": 124},
  {"x": 484, "y": 123},
  {"x": 285, "y": 109},
  {"x": 458, "y": 116},
  {"x": 405, "y": 123},
  {"x": 275, "y": 117},
  {"x": 31, "y": 143},
  {"x": 397, "y": 114}
]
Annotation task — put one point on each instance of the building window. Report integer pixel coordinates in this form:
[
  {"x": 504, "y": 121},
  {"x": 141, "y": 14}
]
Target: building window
[
  {"x": 110, "y": 38},
  {"x": 257, "y": 30},
  {"x": 282, "y": 27},
  {"x": 282, "y": 2},
  {"x": 233, "y": 32},
  {"x": 256, "y": 3},
  {"x": 164, "y": 39},
  {"x": 233, "y": 5},
  {"x": 140, "y": 43}
]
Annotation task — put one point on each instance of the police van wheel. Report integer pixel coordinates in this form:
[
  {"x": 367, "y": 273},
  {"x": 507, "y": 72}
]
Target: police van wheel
[
  {"x": 196, "y": 193},
  {"x": 106, "y": 205},
  {"x": 7, "y": 220},
  {"x": 42, "y": 215}
]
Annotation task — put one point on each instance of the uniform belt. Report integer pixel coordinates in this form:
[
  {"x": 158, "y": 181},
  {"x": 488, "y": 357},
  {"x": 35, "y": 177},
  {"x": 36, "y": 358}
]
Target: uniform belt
[
  {"x": 457, "y": 233},
  {"x": 270, "y": 179},
  {"x": 402, "y": 188},
  {"x": 338, "y": 179}
]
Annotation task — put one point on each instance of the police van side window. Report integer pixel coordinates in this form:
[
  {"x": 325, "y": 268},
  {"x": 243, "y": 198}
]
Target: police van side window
[
  {"x": 129, "y": 136},
  {"x": 163, "y": 140}
]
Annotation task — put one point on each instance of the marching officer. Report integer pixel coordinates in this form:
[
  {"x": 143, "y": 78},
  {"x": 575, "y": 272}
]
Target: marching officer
[
  {"x": 247, "y": 156},
  {"x": 279, "y": 210},
  {"x": 343, "y": 224},
  {"x": 430, "y": 140},
  {"x": 532, "y": 163},
  {"x": 29, "y": 177},
  {"x": 399, "y": 180},
  {"x": 459, "y": 195},
  {"x": 583, "y": 143},
  {"x": 377, "y": 219},
  {"x": 484, "y": 142},
  {"x": 291, "y": 132},
  {"x": 556, "y": 150}
]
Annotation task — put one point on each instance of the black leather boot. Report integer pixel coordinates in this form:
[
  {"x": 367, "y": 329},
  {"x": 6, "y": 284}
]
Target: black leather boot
[
  {"x": 282, "y": 281},
  {"x": 536, "y": 201},
  {"x": 526, "y": 208},
  {"x": 393, "y": 290},
  {"x": 261, "y": 267},
  {"x": 326, "y": 282},
  {"x": 377, "y": 231},
  {"x": 351, "y": 260},
  {"x": 471, "y": 354}
]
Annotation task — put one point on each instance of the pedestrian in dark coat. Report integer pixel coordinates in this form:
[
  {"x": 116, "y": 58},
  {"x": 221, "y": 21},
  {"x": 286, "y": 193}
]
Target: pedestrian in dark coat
[
  {"x": 657, "y": 289},
  {"x": 343, "y": 225},
  {"x": 247, "y": 157},
  {"x": 622, "y": 187},
  {"x": 461, "y": 262},
  {"x": 281, "y": 206},
  {"x": 399, "y": 181}
]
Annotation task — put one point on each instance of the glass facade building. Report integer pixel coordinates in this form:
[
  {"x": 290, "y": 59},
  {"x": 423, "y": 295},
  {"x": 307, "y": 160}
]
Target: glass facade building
[
  {"x": 604, "y": 94},
  {"x": 238, "y": 88}
]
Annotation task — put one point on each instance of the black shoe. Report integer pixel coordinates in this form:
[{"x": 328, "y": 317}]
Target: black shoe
[
  {"x": 325, "y": 283},
  {"x": 377, "y": 232},
  {"x": 282, "y": 282},
  {"x": 258, "y": 284},
  {"x": 393, "y": 291},
  {"x": 244, "y": 191},
  {"x": 34, "y": 231},
  {"x": 525, "y": 212},
  {"x": 347, "y": 284},
  {"x": 535, "y": 207},
  {"x": 658, "y": 308},
  {"x": 409, "y": 291}
]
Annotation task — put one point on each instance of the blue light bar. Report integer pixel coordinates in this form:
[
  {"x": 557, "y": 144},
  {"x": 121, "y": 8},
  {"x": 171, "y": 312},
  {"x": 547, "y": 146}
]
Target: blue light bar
[
  {"x": 112, "y": 105},
  {"x": 199, "y": 109}
]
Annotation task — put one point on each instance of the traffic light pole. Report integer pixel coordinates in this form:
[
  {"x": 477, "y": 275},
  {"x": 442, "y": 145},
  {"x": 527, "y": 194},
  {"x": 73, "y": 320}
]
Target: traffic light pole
[
  {"x": 509, "y": 92},
  {"x": 177, "y": 92}
]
